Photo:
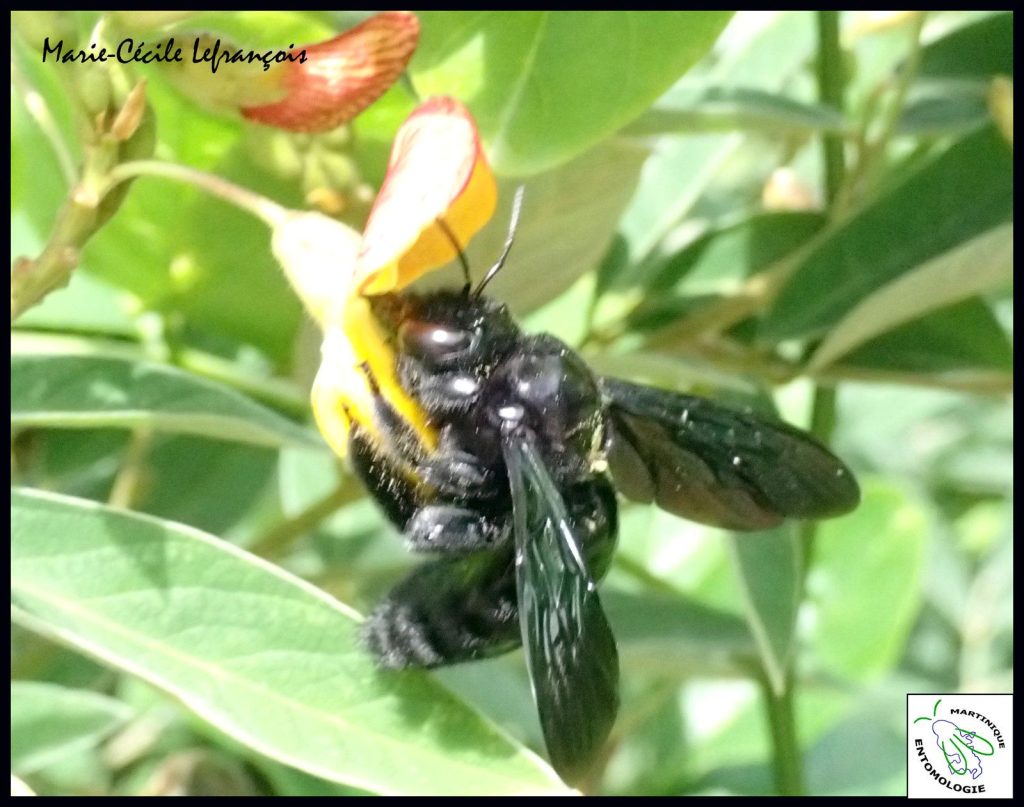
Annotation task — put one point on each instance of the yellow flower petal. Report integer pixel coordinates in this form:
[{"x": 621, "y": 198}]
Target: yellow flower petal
[
  {"x": 437, "y": 170},
  {"x": 317, "y": 254}
]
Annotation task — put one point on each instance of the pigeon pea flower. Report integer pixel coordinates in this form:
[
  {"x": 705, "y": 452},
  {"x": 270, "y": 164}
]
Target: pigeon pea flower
[{"x": 437, "y": 194}]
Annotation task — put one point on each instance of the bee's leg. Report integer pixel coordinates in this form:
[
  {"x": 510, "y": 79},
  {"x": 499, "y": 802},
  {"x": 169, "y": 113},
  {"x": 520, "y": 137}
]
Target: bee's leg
[
  {"x": 447, "y": 611},
  {"x": 450, "y": 528},
  {"x": 456, "y": 471},
  {"x": 454, "y": 474}
]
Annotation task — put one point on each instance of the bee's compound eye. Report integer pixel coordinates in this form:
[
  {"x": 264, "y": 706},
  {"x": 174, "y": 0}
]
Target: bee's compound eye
[{"x": 435, "y": 343}]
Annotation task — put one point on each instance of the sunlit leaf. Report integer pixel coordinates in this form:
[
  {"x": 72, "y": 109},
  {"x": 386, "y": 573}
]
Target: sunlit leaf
[
  {"x": 545, "y": 85},
  {"x": 693, "y": 107},
  {"x": 266, "y": 658},
  {"x": 981, "y": 48},
  {"x": 959, "y": 339},
  {"x": 83, "y": 392}
]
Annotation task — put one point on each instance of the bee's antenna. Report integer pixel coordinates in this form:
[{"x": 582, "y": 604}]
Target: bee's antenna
[
  {"x": 458, "y": 248},
  {"x": 517, "y": 205}
]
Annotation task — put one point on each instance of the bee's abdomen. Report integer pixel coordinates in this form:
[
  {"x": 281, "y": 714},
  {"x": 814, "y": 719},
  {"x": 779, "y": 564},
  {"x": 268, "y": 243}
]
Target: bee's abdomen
[{"x": 447, "y": 611}]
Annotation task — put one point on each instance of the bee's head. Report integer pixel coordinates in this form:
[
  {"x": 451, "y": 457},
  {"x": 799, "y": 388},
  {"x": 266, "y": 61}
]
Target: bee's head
[{"x": 447, "y": 330}]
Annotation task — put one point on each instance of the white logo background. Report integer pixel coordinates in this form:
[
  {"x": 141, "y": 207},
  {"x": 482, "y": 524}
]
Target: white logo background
[{"x": 996, "y": 770}]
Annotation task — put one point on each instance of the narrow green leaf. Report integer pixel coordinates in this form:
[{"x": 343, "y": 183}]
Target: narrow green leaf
[
  {"x": 768, "y": 564},
  {"x": 944, "y": 106},
  {"x": 263, "y": 656},
  {"x": 961, "y": 338},
  {"x": 49, "y": 722},
  {"x": 544, "y": 85},
  {"x": 86, "y": 392},
  {"x": 984, "y": 263},
  {"x": 692, "y": 107},
  {"x": 983, "y": 48},
  {"x": 965, "y": 191},
  {"x": 657, "y": 206}
]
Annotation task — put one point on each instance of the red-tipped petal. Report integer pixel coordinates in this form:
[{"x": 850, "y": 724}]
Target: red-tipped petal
[
  {"x": 342, "y": 76},
  {"x": 437, "y": 170}
]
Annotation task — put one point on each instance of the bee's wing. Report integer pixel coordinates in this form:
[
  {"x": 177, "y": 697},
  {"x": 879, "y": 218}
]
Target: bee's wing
[
  {"x": 720, "y": 466},
  {"x": 570, "y": 650}
]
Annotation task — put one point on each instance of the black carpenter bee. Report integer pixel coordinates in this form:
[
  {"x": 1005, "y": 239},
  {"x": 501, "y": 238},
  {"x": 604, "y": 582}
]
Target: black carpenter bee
[{"x": 514, "y": 492}]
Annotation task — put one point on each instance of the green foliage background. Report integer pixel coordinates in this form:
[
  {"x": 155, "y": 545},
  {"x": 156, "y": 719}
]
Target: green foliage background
[{"x": 802, "y": 210}]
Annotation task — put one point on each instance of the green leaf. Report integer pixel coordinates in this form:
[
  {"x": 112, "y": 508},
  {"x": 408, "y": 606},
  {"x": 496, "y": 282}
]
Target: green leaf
[
  {"x": 983, "y": 48},
  {"x": 944, "y": 107},
  {"x": 961, "y": 337},
  {"x": 692, "y": 107},
  {"x": 967, "y": 190},
  {"x": 768, "y": 564},
  {"x": 544, "y": 86},
  {"x": 865, "y": 586},
  {"x": 739, "y": 250},
  {"x": 83, "y": 392},
  {"x": 49, "y": 722},
  {"x": 982, "y": 264},
  {"x": 261, "y": 655},
  {"x": 657, "y": 206}
]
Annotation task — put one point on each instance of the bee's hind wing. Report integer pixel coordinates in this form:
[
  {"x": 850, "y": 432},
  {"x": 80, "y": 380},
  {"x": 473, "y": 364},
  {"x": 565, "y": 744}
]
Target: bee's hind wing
[{"x": 709, "y": 463}]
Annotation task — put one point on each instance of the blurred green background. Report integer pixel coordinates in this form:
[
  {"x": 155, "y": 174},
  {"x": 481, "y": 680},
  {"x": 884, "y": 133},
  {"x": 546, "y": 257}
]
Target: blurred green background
[{"x": 805, "y": 211}]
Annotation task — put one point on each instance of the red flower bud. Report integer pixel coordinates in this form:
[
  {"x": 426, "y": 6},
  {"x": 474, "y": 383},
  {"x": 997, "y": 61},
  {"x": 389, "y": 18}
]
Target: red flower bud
[{"x": 342, "y": 76}]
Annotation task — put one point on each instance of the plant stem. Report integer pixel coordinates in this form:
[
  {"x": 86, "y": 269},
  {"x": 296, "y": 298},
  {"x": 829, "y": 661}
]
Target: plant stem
[
  {"x": 260, "y": 206},
  {"x": 281, "y": 535},
  {"x": 786, "y": 756},
  {"x": 786, "y": 760},
  {"x": 823, "y": 418},
  {"x": 129, "y": 480},
  {"x": 830, "y": 92}
]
